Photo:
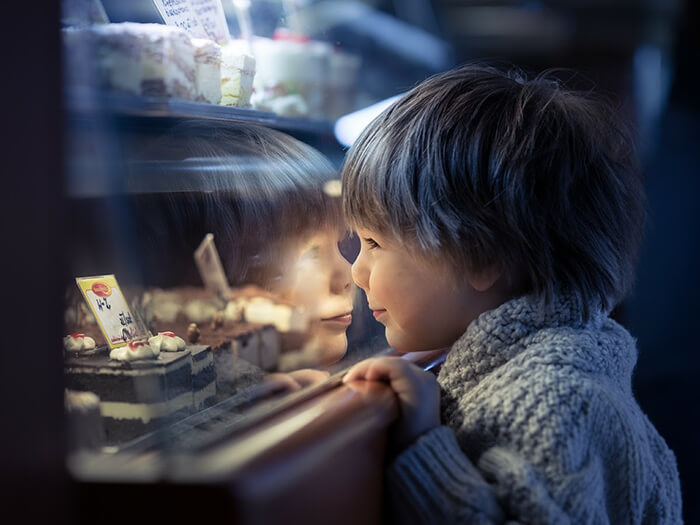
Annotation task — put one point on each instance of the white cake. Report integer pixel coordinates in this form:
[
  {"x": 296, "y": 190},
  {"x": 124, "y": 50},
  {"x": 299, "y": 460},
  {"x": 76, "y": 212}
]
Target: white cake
[
  {"x": 118, "y": 57},
  {"x": 207, "y": 57},
  {"x": 140, "y": 59},
  {"x": 168, "y": 61},
  {"x": 238, "y": 70},
  {"x": 297, "y": 76}
]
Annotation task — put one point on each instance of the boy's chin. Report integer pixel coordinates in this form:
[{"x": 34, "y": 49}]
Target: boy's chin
[
  {"x": 406, "y": 345},
  {"x": 401, "y": 345}
]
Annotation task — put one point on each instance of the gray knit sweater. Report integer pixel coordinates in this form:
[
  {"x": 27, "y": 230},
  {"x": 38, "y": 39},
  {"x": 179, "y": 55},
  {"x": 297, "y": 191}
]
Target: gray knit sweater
[{"x": 540, "y": 427}]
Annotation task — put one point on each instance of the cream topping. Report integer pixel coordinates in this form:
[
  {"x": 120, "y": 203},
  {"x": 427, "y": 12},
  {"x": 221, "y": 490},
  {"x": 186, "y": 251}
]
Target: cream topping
[
  {"x": 167, "y": 342},
  {"x": 78, "y": 341},
  {"x": 134, "y": 350}
]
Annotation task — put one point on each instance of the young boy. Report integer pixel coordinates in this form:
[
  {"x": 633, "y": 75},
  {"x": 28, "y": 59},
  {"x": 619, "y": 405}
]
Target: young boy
[{"x": 502, "y": 216}]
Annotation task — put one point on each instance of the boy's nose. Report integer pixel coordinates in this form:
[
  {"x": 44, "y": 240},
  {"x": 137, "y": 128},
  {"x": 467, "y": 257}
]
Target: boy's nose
[{"x": 360, "y": 272}]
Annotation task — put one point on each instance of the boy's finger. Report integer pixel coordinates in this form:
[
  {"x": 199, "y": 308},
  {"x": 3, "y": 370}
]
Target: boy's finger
[
  {"x": 357, "y": 372},
  {"x": 377, "y": 369}
]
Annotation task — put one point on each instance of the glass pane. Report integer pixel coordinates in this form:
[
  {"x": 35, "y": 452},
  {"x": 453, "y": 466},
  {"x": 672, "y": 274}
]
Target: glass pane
[{"x": 162, "y": 176}]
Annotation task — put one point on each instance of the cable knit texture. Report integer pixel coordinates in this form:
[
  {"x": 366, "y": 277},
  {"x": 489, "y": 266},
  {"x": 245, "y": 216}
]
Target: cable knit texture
[{"x": 540, "y": 426}]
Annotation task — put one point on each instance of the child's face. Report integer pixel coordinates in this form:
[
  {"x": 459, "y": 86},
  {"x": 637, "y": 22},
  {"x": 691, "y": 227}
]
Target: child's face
[{"x": 419, "y": 304}]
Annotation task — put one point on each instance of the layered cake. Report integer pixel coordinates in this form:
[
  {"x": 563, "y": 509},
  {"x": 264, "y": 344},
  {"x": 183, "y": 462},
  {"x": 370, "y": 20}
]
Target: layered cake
[
  {"x": 237, "y": 74},
  {"x": 242, "y": 352},
  {"x": 251, "y": 317},
  {"x": 168, "y": 60},
  {"x": 207, "y": 58},
  {"x": 78, "y": 342},
  {"x": 142, "y": 59},
  {"x": 297, "y": 76},
  {"x": 203, "y": 371},
  {"x": 203, "y": 376},
  {"x": 85, "y": 430},
  {"x": 140, "y": 389}
]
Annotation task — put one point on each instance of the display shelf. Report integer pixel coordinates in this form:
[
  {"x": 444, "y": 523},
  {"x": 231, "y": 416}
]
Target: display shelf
[{"x": 88, "y": 102}]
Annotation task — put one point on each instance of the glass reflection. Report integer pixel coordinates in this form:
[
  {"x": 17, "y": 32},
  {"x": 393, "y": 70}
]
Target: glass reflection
[{"x": 284, "y": 249}]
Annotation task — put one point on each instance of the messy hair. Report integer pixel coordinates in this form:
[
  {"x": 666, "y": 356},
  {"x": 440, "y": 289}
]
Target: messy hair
[
  {"x": 259, "y": 191},
  {"x": 478, "y": 167}
]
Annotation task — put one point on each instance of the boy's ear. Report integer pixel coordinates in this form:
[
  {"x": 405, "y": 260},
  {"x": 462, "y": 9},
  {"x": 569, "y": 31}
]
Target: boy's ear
[{"x": 483, "y": 281}]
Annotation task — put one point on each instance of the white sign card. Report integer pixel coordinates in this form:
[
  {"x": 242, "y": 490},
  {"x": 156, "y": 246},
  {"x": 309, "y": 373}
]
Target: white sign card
[
  {"x": 200, "y": 18},
  {"x": 211, "y": 16},
  {"x": 210, "y": 268},
  {"x": 107, "y": 303},
  {"x": 179, "y": 13}
]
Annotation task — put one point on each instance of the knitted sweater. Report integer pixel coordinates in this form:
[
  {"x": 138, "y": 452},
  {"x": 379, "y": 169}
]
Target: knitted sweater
[{"x": 540, "y": 426}]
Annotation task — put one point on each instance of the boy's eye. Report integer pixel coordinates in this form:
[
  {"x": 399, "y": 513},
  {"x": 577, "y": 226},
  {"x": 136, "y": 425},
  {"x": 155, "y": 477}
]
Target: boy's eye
[{"x": 372, "y": 243}]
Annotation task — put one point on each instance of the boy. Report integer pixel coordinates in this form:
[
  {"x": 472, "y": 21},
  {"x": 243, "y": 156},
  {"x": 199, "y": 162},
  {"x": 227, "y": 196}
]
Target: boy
[{"x": 501, "y": 217}]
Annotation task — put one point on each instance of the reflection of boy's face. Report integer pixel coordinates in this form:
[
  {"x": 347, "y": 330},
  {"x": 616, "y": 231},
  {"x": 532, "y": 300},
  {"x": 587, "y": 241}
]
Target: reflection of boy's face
[{"x": 318, "y": 278}]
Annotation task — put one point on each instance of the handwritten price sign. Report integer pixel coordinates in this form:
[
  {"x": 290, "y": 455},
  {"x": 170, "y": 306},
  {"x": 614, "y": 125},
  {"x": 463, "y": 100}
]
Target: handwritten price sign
[
  {"x": 109, "y": 307},
  {"x": 200, "y": 18}
]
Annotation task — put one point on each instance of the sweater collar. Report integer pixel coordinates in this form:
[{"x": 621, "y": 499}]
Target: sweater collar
[{"x": 498, "y": 335}]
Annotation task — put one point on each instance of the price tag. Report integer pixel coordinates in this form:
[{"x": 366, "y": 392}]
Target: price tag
[
  {"x": 107, "y": 303},
  {"x": 211, "y": 16},
  {"x": 210, "y": 269},
  {"x": 180, "y": 13}
]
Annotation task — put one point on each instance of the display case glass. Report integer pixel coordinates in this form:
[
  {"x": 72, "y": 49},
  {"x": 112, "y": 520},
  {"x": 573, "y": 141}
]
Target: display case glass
[{"x": 207, "y": 264}]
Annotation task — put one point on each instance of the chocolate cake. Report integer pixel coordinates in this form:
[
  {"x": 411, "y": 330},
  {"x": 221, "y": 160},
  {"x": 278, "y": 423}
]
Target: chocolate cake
[
  {"x": 135, "y": 396},
  {"x": 203, "y": 376},
  {"x": 236, "y": 349},
  {"x": 85, "y": 430}
]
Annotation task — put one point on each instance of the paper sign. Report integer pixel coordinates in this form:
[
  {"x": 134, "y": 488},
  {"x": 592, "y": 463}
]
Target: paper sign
[
  {"x": 109, "y": 307},
  {"x": 210, "y": 14},
  {"x": 180, "y": 13},
  {"x": 210, "y": 268}
]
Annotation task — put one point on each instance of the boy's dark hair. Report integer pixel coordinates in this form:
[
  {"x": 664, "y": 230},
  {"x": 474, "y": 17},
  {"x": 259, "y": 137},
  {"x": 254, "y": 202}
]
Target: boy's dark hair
[
  {"x": 477, "y": 166},
  {"x": 260, "y": 192}
]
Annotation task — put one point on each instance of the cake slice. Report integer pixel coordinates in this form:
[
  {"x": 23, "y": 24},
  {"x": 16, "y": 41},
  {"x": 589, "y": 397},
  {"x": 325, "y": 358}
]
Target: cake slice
[
  {"x": 168, "y": 61},
  {"x": 136, "y": 396},
  {"x": 140, "y": 59},
  {"x": 207, "y": 58},
  {"x": 203, "y": 376},
  {"x": 237, "y": 74}
]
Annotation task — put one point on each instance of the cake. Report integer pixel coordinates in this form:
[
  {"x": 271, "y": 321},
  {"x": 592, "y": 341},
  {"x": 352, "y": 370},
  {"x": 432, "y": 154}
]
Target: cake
[
  {"x": 250, "y": 310},
  {"x": 85, "y": 430},
  {"x": 77, "y": 342},
  {"x": 207, "y": 58},
  {"x": 168, "y": 60},
  {"x": 203, "y": 371},
  {"x": 237, "y": 74},
  {"x": 139, "y": 388},
  {"x": 203, "y": 376},
  {"x": 133, "y": 58},
  {"x": 300, "y": 77}
]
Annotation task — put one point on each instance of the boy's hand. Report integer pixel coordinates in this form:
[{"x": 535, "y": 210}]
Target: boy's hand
[{"x": 418, "y": 392}]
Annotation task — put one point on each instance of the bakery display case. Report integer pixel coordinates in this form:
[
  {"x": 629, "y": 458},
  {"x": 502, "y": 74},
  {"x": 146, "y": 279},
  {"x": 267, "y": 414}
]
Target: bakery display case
[
  {"x": 208, "y": 299},
  {"x": 209, "y": 312}
]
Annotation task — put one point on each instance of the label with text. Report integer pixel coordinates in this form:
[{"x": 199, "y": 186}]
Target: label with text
[
  {"x": 179, "y": 13},
  {"x": 107, "y": 303},
  {"x": 211, "y": 16}
]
